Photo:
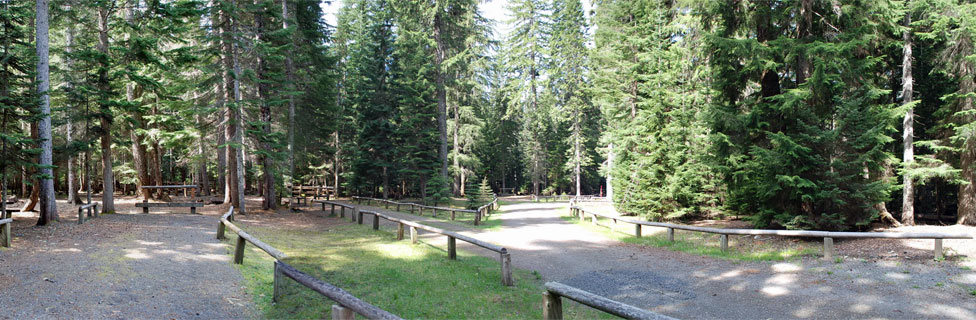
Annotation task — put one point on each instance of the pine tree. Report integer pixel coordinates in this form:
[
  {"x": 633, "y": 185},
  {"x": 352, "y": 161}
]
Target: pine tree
[
  {"x": 570, "y": 60},
  {"x": 649, "y": 91},
  {"x": 807, "y": 148},
  {"x": 525, "y": 55}
]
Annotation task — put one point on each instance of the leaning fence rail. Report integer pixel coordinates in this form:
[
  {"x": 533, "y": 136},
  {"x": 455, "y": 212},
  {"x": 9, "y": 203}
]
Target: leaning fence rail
[
  {"x": 5, "y": 231},
  {"x": 828, "y": 236},
  {"x": 347, "y": 303},
  {"x": 504, "y": 256},
  {"x": 479, "y": 214},
  {"x": 552, "y": 306}
]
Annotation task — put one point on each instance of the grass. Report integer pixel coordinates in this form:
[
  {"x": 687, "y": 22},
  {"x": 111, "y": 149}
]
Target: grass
[
  {"x": 697, "y": 242},
  {"x": 412, "y": 281}
]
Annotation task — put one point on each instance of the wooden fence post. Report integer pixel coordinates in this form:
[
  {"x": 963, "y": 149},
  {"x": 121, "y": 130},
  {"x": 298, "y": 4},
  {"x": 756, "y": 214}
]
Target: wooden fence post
[
  {"x": 398, "y": 207},
  {"x": 671, "y": 234},
  {"x": 938, "y": 250},
  {"x": 725, "y": 243},
  {"x": 239, "y": 250},
  {"x": 400, "y": 231},
  {"x": 451, "y": 248},
  {"x": 477, "y": 217},
  {"x": 5, "y": 237},
  {"x": 340, "y": 313},
  {"x": 220, "y": 230},
  {"x": 332, "y": 212},
  {"x": 828, "y": 249},
  {"x": 421, "y": 211},
  {"x": 359, "y": 216},
  {"x": 411, "y": 209},
  {"x": 637, "y": 230},
  {"x": 376, "y": 221},
  {"x": 453, "y": 213},
  {"x": 278, "y": 278},
  {"x": 413, "y": 235},
  {"x": 81, "y": 216},
  {"x": 552, "y": 306},
  {"x": 593, "y": 220},
  {"x": 342, "y": 212},
  {"x": 507, "y": 269}
]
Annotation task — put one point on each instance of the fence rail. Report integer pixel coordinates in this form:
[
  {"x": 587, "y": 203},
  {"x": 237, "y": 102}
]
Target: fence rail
[
  {"x": 552, "y": 306},
  {"x": 342, "y": 206},
  {"x": 91, "y": 210},
  {"x": 5, "y": 231},
  {"x": 828, "y": 236},
  {"x": 504, "y": 256},
  {"x": 479, "y": 214},
  {"x": 347, "y": 303}
]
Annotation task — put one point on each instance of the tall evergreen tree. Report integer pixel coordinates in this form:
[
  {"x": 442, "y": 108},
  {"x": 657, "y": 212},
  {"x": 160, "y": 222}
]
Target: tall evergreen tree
[{"x": 807, "y": 148}]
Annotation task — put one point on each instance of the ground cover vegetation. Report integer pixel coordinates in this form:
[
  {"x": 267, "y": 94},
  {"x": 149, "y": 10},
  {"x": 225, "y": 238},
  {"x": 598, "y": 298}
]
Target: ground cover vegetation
[
  {"x": 793, "y": 114},
  {"x": 412, "y": 281}
]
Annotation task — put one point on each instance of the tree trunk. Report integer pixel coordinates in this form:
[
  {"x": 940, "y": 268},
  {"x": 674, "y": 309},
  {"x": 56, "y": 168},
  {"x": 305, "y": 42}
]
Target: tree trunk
[
  {"x": 49, "y": 208},
  {"x": 441, "y": 92},
  {"x": 966, "y": 213},
  {"x": 908, "y": 156},
  {"x": 105, "y": 119},
  {"x": 230, "y": 126},
  {"x": 290, "y": 77},
  {"x": 270, "y": 200}
]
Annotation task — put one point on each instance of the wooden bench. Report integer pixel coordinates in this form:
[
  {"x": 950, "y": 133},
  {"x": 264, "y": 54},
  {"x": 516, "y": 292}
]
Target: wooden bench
[{"x": 145, "y": 205}]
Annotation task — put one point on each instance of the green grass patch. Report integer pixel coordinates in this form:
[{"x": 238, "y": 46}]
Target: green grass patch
[
  {"x": 700, "y": 243},
  {"x": 412, "y": 281}
]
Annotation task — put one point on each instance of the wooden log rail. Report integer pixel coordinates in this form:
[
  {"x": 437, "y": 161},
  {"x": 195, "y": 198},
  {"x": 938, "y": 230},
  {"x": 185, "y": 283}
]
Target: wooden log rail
[
  {"x": 552, "y": 306},
  {"x": 347, "y": 303},
  {"x": 5, "y": 232},
  {"x": 505, "y": 257},
  {"x": 333, "y": 204},
  {"x": 318, "y": 191},
  {"x": 479, "y": 214},
  {"x": 91, "y": 209},
  {"x": 828, "y": 236},
  {"x": 551, "y": 198}
]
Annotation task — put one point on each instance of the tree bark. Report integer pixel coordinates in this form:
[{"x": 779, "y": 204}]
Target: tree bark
[
  {"x": 105, "y": 118},
  {"x": 49, "y": 208},
  {"x": 967, "y": 159},
  {"x": 440, "y": 53},
  {"x": 270, "y": 200},
  {"x": 908, "y": 155},
  {"x": 290, "y": 77}
]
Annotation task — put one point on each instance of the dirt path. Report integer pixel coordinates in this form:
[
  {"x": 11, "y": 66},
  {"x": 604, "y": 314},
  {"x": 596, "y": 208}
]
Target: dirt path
[
  {"x": 694, "y": 287},
  {"x": 157, "y": 266}
]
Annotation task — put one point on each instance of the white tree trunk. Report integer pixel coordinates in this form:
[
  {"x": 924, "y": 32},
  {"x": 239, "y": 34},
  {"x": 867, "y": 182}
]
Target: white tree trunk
[{"x": 908, "y": 193}]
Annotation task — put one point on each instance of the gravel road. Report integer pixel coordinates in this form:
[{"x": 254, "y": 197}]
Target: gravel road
[
  {"x": 124, "y": 266},
  {"x": 695, "y": 287}
]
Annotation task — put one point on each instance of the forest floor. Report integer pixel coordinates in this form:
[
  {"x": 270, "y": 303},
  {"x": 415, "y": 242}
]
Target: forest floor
[
  {"x": 694, "y": 286},
  {"x": 123, "y": 265}
]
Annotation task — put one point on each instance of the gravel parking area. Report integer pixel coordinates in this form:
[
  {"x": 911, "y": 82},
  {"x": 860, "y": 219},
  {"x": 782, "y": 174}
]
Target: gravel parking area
[{"x": 121, "y": 266}]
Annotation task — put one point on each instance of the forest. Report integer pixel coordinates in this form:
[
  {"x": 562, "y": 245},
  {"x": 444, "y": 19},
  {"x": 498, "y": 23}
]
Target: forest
[{"x": 796, "y": 114}]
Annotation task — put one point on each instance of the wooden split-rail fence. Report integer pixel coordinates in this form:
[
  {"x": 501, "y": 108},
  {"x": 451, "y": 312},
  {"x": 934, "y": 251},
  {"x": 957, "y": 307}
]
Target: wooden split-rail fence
[
  {"x": 357, "y": 215},
  {"x": 479, "y": 214},
  {"x": 828, "y": 236},
  {"x": 552, "y": 305},
  {"x": 347, "y": 304}
]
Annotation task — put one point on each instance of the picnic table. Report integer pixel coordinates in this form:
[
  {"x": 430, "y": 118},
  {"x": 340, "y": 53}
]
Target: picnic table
[{"x": 193, "y": 204}]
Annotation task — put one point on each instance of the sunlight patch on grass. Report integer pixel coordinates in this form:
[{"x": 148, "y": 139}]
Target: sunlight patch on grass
[{"x": 412, "y": 281}]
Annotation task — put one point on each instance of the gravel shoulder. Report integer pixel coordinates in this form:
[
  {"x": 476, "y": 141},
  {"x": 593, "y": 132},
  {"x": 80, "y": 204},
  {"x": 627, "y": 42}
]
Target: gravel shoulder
[{"x": 125, "y": 265}]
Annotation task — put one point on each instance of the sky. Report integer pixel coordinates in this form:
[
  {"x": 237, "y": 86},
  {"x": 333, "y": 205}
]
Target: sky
[{"x": 491, "y": 9}]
